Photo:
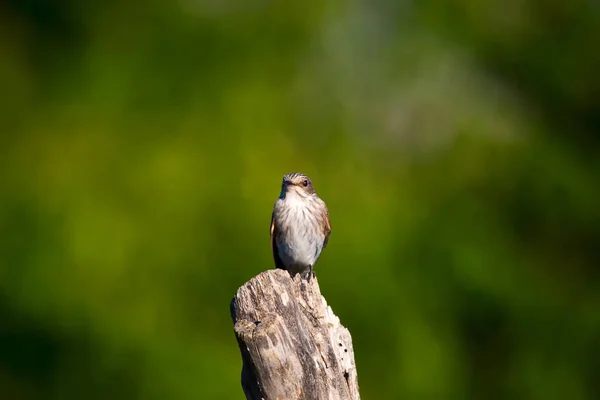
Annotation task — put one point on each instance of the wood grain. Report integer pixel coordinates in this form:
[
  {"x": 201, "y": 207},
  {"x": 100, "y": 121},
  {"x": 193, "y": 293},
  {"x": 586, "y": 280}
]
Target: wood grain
[{"x": 293, "y": 346}]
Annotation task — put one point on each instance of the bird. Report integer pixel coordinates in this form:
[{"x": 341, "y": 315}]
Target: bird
[{"x": 300, "y": 226}]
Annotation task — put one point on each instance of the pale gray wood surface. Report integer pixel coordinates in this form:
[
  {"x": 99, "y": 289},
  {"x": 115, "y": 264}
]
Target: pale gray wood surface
[{"x": 293, "y": 346}]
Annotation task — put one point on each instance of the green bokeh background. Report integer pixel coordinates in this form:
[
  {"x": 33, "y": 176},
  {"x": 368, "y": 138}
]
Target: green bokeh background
[{"x": 455, "y": 143}]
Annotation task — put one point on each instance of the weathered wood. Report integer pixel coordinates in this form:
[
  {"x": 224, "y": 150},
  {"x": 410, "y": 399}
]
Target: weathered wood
[{"x": 293, "y": 345}]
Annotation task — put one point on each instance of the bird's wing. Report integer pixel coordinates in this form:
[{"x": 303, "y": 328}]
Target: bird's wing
[
  {"x": 326, "y": 228},
  {"x": 278, "y": 262}
]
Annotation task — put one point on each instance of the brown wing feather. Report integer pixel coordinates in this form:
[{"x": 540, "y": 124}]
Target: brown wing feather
[
  {"x": 278, "y": 262},
  {"x": 326, "y": 228}
]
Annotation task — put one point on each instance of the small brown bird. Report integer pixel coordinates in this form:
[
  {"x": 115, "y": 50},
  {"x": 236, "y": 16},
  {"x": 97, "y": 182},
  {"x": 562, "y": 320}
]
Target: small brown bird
[{"x": 300, "y": 226}]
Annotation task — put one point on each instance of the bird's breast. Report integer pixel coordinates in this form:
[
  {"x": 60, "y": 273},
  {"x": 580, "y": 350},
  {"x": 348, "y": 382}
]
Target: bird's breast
[{"x": 300, "y": 234}]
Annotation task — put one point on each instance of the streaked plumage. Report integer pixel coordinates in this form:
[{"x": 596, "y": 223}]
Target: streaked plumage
[{"x": 300, "y": 225}]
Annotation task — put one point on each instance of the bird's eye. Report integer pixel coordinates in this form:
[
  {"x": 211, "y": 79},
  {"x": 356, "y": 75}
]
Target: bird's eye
[{"x": 305, "y": 183}]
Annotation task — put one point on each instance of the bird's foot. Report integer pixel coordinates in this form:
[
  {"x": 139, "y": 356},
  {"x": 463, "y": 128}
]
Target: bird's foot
[{"x": 311, "y": 273}]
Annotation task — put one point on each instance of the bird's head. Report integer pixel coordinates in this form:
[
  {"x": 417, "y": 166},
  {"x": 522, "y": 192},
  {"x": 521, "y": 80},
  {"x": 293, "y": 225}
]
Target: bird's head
[{"x": 296, "y": 183}]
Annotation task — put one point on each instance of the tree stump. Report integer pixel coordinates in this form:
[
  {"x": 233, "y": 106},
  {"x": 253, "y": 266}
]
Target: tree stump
[{"x": 293, "y": 345}]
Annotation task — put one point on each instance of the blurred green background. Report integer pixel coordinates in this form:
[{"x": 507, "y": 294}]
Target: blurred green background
[{"x": 455, "y": 143}]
